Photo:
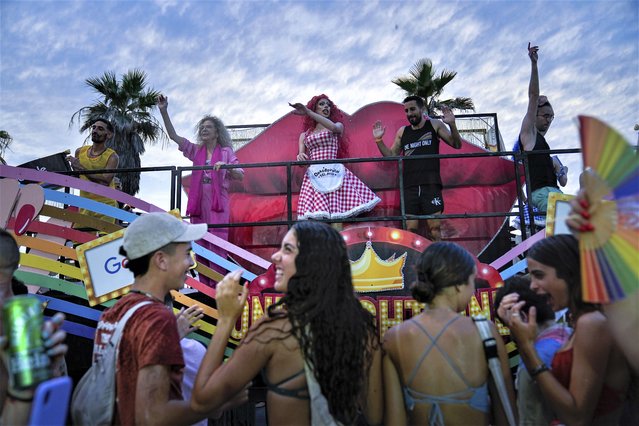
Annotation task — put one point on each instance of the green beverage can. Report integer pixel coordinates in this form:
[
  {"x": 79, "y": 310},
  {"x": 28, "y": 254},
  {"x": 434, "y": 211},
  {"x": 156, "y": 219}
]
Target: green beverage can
[{"x": 28, "y": 361}]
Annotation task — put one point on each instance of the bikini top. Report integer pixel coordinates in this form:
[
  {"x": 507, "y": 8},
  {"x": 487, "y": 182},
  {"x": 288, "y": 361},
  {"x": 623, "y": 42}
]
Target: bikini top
[
  {"x": 474, "y": 397},
  {"x": 297, "y": 393}
]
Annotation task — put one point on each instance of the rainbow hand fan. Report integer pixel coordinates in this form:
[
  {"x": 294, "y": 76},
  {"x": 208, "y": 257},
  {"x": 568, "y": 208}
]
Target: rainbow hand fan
[{"x": 609, "y": 254}]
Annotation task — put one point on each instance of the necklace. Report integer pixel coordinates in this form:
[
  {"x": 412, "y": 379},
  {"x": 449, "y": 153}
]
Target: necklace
[
  {"x": 147, "y": 295},
  {"x": 92, "y": 152}
]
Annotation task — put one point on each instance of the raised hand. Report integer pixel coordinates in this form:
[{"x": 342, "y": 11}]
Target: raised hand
[
  {"x": 523, "y": 330},
  {"x": 187, "y": 318},
  {"x": 300, "y": 109},
  {"x": 162, "y": 102},
  {"x": 532, "y": 52},
  {"x": 447, "y": 115},
  {"x": 378, "y": 130},
  {"x": 230, "y": 297},
  {"x": 505, "y": 307}
]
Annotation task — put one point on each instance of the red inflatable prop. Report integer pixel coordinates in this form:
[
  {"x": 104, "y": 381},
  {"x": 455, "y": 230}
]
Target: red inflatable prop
[
  {"x": 471, "y": 185},
  {"x": 490, "y": 274}
]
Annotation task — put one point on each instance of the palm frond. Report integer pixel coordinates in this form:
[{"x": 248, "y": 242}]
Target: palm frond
[
  {"x": 406, "y": 84},
  {"x": 133, "y": 82},
  {"x": 442, "y": 80},
  {"x": 422, "y": 70},
  {"x": 106, "y": 85},
  {"x": 462, "y": 104},
  {"x": 423, "y": 82},
  {"x": 5, "y": 141}
]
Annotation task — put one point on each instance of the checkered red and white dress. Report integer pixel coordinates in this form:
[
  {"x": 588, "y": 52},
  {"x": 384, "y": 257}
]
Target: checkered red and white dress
[{"x": 351, "y": 199}]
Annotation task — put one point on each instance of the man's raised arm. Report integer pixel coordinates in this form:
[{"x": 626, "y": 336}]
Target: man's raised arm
[{"x": 528, "y": 134}]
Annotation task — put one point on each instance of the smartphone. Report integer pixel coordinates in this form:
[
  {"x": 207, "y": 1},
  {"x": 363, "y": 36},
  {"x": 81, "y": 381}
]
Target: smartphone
[{"x": 51, "y": 402}]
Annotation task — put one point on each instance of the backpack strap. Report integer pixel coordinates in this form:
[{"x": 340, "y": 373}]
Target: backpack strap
[
  {"x": 487, "y": 338},
  {"x": 494, "y": 365},
  {"x": 119, "y": 328}
]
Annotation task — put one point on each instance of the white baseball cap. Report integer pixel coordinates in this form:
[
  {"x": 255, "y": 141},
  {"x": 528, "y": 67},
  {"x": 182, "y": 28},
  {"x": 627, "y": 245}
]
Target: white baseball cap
[{"x": 152, "y": 231}]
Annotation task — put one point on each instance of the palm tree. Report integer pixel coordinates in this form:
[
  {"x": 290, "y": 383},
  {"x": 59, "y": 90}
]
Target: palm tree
[
  {"x": 422, "y": 82},
  {"x": 127, "y": 105},
  {"x": 5, "y": 141}
]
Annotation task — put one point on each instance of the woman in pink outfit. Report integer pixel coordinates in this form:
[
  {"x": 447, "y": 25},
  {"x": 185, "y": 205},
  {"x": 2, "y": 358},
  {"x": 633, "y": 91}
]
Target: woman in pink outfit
[{"x": 209, "y": 190}]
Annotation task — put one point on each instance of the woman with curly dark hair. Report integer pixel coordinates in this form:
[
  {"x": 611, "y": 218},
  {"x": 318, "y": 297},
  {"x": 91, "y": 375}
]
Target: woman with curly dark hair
[
  {"x": 328, "y": 191},
  {"x": 435, "y": 370},
  {"x": 317, "y": 347}
]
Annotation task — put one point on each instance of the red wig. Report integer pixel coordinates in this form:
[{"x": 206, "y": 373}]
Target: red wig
[{"x": 337, "y": 116}]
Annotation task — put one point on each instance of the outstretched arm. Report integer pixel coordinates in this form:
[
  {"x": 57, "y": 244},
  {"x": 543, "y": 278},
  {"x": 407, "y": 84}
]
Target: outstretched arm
[
  {"x": 301, "y": 109},
  {"x": 452, "y": 137},
  {"x": 216, "y": 383},
  {"x": 528, "y": 133},
  {"x": 378, "y": 134},
  {"x": 163, "y": 106}
]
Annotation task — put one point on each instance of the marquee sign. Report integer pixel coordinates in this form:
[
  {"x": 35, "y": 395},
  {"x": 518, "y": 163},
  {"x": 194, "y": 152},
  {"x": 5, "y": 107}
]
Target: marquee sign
[{"x": 105, "y": 276}]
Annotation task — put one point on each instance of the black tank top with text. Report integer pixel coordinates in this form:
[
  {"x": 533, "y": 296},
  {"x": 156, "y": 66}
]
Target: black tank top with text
[{"x": 422, "y": 141}]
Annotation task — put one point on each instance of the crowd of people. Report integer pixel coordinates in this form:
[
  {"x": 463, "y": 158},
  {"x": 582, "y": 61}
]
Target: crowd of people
[
  {"x": 317, "y": 349},
  {"x": 319, "y": 352}
]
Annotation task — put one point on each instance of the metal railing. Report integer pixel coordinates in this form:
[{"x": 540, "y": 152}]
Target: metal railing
[{"x": 520, "y": 157}]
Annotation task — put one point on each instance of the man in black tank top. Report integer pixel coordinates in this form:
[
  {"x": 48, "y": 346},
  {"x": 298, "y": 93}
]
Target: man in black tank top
[
  {"x": 544, "y": 170},
  {"x": 422, "y": 179}
]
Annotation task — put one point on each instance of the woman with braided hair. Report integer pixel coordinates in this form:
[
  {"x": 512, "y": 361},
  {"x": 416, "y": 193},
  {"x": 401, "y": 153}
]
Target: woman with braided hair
[
  {"x": 435, "y": 370},
  {"x": 317, "y": 347}
]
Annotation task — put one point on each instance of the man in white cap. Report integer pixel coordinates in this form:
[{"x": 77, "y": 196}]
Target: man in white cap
[{"x": 150, "y": 363}]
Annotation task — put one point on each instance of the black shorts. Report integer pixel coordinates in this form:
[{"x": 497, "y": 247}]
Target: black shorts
[{"x": 424, "y": 199}]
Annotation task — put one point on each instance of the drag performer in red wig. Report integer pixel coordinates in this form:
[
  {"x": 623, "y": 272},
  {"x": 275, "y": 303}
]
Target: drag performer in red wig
[{"x": 329, "y": 191}]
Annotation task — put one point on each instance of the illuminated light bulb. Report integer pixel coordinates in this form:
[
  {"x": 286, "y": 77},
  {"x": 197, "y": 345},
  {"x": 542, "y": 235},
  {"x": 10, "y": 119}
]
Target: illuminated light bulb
[
  {"x": 369, "y": 234},
  {"x": 418, "y": 243},
  {"x": 395, "y": 235}
]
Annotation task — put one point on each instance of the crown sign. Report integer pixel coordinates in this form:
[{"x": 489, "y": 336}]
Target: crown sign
[{"x": 371, "y": 273}]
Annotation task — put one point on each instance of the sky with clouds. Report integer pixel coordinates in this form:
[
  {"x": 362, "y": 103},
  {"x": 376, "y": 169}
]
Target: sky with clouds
[{"x": 245, "y": 60}]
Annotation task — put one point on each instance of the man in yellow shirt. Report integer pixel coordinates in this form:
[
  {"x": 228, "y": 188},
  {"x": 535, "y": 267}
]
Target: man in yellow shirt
[{"x": 97, "y": 157}]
